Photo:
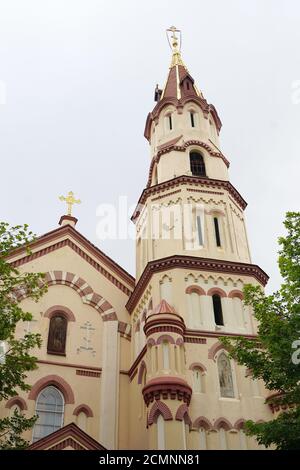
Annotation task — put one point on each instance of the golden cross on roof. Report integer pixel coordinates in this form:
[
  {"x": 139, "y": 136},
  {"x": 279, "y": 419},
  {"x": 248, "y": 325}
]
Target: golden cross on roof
[
  {"x": 174, "y": 38},
  {"x": 70, "y": 200}
]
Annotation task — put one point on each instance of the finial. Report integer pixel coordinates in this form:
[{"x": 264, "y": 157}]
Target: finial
[
  {"x": 175, "y": 44},
  {"x": 70, "y": 200}
]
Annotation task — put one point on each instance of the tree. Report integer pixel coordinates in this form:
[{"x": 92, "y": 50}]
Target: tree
[
  {"x": 15, "y": 358},
  {"x": 273, "y": 356}
]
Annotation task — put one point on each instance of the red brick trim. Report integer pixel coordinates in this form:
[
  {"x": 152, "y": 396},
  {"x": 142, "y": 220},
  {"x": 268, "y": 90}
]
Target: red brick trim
[
  {"x": 194, "y": 263},
  {"x": 58, "y": 309},
  {"x": 68, "y": 436},
  {"x": 222, "y": 423},
  {"x": 88, "y": 373},
  {"x": 56, "y": 381},
  {"x": 69, "y": 231},
  {"x": 236, "y": 293},
  {"x": 163, "y": 338},
  {"x": 142, "y": 370},
  {"x": 202, "y": 422},
  {"x": 239, "y": 424},
  {"x": 133, "y": 369},
  {"x": 214, "y": 349},
  {"x": 159, "y": 408},
  {"x": 183, "y": 414},
  {"x": 88, "y": 296},
  {"x": 218, "y": 291},
  {"x": 197, "y": 365},
  {"x": 196, "y": 289},
  {"x": 172, "y": 388},
  {"x": 19, "y": 401},
  {"x": 69, "y": 218},
  {"x": 184, "y": 180},
  {"x": 67, "y": 364},
  {"x": 179, "y": 342},
  {"x": 213, "y": 334},
  {"x": 151, "y": 342},
  {"x": 189, "y": 339},
  {"x": 157, "y": 323},
  {"x": 83, "y": 409}
]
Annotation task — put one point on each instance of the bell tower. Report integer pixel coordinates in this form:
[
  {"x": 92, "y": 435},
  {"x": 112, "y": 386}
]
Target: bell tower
[{"x": 192, "y": 262}]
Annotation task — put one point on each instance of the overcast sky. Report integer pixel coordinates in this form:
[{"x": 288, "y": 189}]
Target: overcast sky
[{"x": 76, "y": 84}]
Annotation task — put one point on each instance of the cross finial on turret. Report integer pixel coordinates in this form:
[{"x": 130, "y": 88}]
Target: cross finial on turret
[{"x": 70, "y": 200}]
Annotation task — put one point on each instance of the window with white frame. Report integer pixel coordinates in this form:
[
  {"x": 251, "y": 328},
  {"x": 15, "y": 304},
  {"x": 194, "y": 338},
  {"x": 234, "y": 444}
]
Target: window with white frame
[{"x": 50, "y": 412}]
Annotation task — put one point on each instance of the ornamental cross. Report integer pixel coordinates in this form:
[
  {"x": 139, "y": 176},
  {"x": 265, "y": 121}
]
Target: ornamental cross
[{"x": 70, "y": 200}]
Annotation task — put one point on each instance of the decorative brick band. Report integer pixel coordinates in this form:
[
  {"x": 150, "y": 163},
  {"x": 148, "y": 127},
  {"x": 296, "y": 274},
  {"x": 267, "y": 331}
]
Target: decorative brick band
[
  {"x": 236, "y": 293},
  {"x": 194, "y": 263},
  {"x": 19, "y": 401},
  {"x": 165, "y": 388},
  {"x": 57, "y": 382},
  {"x": 202, "y": 422},
  {"x": 159, "y": 408},
  {"x": 217, "y": 291},
  {"x": 188, "y": 339},
  {"x": 164, "y": 323},
  {"x": 60, "y": 308},
  {"x": 182, "y": 414},
  {"x": 83, "y": 409},
  {"x": 222, "y": 423},
  {"x": 197, "y": 289},
  {"x": 88, "y": 373},
  {"x": 186, "y": 180},
  {"x": 197, "y": 365}
]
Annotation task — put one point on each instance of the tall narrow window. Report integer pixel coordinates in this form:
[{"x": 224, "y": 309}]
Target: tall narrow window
[
  {"x": 197, "y": 380},
  {"x": 166, "y": 358},
  {"x": 223, "y": 440},
  {"x": 217, "y": 231},
  {"x": 225, "y": 376},
  {"x": 192, "y": 116},
  {"x": 197, "y": 164},
  {"x": 199, "y": 228},
  {"x": 50, "y": 411},
  {"x": 217, "y": 306},
  {"x": 202, "y": 439},
  {"x": 160, "y": 424},
  {"x": 170, "y": 122},
  {"x": 57, "y": 335}
]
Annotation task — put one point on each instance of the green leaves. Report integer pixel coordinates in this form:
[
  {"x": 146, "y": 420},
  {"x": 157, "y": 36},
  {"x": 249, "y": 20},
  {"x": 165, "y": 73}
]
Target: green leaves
[
  {"x": 18, "y": 359},
  {"x": 270, "y": 356}
]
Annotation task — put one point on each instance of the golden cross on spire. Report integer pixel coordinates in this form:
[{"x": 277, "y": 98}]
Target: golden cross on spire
[
  {"x": 175, "y": 44},
  {"x": 70, "y": 200}
]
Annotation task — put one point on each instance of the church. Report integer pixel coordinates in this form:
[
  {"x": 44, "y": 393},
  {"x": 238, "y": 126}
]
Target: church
[{"x": 136, "y": 363}]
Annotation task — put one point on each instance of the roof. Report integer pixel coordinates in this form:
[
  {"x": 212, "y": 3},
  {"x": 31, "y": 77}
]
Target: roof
[
  {"x": 69, "y": 437},
  {"x": 20, "y": 255}
]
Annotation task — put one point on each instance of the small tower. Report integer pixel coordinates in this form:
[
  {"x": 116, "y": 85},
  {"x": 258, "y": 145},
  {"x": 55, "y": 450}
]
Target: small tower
[{"x": 166, "y": 392}]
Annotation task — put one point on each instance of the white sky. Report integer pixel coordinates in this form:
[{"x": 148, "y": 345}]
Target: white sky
[{"x": 79, "y": 78}]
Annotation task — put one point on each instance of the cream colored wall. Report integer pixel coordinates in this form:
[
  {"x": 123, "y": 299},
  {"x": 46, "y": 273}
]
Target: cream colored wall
[
  {"x": 105, "y": 394},
  {"x": 181, "y": 125},
  {"x": 167, "y": 226}
]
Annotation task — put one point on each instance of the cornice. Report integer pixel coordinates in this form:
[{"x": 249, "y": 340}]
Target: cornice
[
  {"x": 197, "y": 263},
  {"x": 188, "y": 180}
]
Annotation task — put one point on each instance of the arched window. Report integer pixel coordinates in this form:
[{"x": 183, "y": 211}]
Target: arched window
[
  {"x": 197, "y": 380},
  {"x": 160, "y": 424},
  {"x": 50, "y": 412},
  {"x": 217, "y": 232},
  {"x": 223, "y": 438},
  {"x": 197, "y": 164},
  {"x": 217, "y": 306},
  {"x": 82, "y": 420},
  {"x": 192, "y": 117},
  {"x": 202, "y": 439},
  {"x": 166, "y": 355},
  {"x": 225, "y": 376},
  {"x": 57, "y": 334}
]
